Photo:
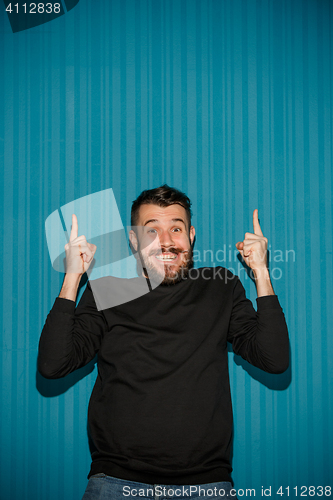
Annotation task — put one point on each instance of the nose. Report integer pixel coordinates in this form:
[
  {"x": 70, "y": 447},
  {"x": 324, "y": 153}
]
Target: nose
[{"x": 166, "y": 239}]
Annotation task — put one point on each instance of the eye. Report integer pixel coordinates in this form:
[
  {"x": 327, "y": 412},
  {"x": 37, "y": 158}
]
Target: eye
[
  {"x": 177, "y": 229},
  {"x": 151, "y": 231}
]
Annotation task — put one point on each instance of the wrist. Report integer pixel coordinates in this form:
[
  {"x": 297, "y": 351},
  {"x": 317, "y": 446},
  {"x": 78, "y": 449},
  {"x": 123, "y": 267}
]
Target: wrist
[
  {"x": 261, "y": 273},
  {"x": 70, "y": 286},
  {"x": 263, "y": 282},
  {"x": 72, "y": 279}
]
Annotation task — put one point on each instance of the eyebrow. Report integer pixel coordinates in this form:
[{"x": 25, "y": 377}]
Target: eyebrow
[{"x": 156, "y": 220}]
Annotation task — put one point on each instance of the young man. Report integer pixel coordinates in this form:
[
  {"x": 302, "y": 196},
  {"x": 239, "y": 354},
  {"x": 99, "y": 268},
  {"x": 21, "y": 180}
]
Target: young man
[{"x": 160, "y": 413}]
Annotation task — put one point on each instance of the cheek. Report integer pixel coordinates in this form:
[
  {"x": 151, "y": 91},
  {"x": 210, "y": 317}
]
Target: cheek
[
  {"x": 184, "y": 243},
  {"x": 149, "y": 244}
]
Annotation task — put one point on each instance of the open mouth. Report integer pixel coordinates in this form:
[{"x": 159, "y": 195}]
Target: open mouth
[{"x": 166, "y": 257}]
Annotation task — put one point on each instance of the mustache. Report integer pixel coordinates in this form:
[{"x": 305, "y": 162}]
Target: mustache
[{"x": 173, "y": 250}]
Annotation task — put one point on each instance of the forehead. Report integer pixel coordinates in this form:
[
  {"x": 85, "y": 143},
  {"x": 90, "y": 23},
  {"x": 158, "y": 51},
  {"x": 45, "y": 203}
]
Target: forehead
[{"x": 162, "y": 214}]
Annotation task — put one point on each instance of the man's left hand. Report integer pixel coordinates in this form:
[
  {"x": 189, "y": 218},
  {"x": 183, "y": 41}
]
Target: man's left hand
[{"x": 253, "y": 248}]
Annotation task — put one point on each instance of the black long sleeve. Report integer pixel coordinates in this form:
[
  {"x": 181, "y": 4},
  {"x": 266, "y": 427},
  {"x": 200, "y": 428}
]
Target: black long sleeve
[
  {"x": 261, "y": 337},
  {"x": 160, "y": 410},
  {"x": 71, "y": 336}
]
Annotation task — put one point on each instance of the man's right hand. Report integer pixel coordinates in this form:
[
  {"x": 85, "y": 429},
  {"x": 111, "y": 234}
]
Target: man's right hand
[{"x": 79, "y": 253}]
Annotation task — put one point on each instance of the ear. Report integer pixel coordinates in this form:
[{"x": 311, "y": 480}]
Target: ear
[
  {"x": 192, "y": 234},
  {"x": 133, "y": 240}
]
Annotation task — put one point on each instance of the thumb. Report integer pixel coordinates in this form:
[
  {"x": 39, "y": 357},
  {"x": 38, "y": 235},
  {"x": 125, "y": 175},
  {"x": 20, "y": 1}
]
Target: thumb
[
  {"x": 92, "y": 247},
  {"x": 239, "y": 247}
]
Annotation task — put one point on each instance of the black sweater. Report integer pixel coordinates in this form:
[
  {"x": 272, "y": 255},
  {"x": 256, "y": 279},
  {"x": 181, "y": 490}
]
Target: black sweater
[{"x": 160, "y": 411}]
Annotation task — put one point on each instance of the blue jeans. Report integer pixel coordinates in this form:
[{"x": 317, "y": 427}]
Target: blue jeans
[{"x": 103, "y": 487}]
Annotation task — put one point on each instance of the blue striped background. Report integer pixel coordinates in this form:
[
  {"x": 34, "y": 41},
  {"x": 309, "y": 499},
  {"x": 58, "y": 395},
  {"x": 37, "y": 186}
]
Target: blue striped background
[{"x": 228, "y": 100}]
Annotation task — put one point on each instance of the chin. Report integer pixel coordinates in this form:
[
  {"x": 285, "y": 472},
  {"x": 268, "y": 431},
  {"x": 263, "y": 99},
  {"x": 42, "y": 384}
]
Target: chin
[
  {"x": 170, "y": 276},
  {"x": 173, "y": 278}
]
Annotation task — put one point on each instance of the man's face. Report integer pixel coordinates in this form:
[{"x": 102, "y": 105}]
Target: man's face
[{"x": 164, "y": 241}]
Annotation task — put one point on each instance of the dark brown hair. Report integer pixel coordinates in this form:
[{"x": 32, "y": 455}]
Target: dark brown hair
[{"x": 163, "y": 196}]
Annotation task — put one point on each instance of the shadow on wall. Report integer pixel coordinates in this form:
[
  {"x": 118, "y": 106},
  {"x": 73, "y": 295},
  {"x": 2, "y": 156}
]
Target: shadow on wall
[
  {"x": 273, "y": 381},
  {"x": 50, "y": 388},
  {"x": 24, "y": 15}
]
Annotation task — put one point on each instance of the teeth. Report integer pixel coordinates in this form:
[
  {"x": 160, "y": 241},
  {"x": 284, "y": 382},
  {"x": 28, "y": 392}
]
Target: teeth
[{"x": 160, "y": 257}]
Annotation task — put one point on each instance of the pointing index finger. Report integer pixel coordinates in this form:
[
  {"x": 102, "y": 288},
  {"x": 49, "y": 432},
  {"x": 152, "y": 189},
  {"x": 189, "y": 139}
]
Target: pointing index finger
[
  {"x": 256, "y": 225},
  {"x": 75, "y": 228}
]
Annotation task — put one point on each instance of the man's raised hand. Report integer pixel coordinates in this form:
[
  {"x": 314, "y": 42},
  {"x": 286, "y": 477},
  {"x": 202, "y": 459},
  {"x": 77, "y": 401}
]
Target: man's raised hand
[
  {"x": 253, "y": 248},
  {"x": 79, "y": 253}
]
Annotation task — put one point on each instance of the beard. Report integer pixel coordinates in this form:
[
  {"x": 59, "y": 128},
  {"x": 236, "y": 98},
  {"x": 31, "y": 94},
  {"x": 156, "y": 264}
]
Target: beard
[{"x": 172, "y": 274}]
